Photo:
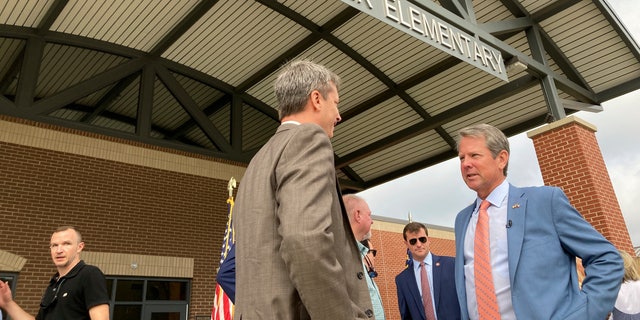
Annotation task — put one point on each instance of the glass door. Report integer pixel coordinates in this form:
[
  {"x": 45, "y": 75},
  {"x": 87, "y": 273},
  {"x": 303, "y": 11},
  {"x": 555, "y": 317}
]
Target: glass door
[{"x": 165, "y": 312}]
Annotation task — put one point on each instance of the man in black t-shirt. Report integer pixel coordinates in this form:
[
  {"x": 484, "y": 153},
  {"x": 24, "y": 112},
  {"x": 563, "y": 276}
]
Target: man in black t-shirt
[{"x": 76, "y": 291}]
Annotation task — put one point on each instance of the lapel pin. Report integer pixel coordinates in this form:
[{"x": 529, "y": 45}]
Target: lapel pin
[
  {"x": 515, "y": 206},
  {"x": 437, "y": 264}
]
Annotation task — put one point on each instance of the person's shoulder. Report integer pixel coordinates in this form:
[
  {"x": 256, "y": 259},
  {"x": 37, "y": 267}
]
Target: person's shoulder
[
  {"x": 300, "y": 131},
  {"x": 404, "y": 271},
  {"x": 88, "y": 268},
  {"x": 630, "y": 288},
  {"x": 538, "y": 190},
  {"x": 446, "y": 261},
  {"x": 311, "y": 129},
  {"x": 443, "y": 258},
  {"x": 468, "y": 209}
]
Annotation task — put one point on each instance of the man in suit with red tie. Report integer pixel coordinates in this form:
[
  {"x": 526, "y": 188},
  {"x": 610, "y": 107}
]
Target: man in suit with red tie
[{"x": 426, "y": 288}]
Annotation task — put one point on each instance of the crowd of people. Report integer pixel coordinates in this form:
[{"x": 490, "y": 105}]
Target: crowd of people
[
  {"x": 516, "y": 248},
  {"x": 507, "y": 240}
]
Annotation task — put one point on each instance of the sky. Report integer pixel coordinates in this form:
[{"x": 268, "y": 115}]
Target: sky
[{"x": 436, "y": 194}]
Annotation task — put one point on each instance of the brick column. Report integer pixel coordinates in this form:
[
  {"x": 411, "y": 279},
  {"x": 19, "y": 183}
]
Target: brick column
[{"x": 570, "y": 158}]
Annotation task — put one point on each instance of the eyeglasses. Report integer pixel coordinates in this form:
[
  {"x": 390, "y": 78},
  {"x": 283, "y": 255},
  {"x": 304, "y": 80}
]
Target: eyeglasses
[
  {"x": 373, "y": 252},
  {"x": 414, "y": 240},
  {"x": 369, "y": 266}
]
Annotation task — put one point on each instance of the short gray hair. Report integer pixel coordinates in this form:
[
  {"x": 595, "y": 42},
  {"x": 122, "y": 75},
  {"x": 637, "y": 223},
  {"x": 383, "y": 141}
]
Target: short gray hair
[
  {"x": 494, "y": 138},
  {"x": 297, "y": 80}
]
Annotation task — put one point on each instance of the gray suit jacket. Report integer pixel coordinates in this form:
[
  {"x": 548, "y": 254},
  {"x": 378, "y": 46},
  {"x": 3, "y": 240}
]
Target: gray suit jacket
[
  {"x": 296, "y": 257},
  {"x": 544, "y": 236}
]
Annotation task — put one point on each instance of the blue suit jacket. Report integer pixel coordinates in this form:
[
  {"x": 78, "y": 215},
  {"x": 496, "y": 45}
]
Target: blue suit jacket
[
  {"x": 545, "y": 237},
  {"x": 444, "y": 287}
]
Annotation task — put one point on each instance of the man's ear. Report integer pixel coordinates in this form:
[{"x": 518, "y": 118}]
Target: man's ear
[
  {"x": 356, "y": 215},
  {"x": 316, "y": 100},
  {"x": 503, "y": 158}
]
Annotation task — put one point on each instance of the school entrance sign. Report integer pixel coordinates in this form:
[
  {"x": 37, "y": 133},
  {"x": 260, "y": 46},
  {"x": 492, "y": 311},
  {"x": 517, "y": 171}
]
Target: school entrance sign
[{"x": 417, "y": 22}]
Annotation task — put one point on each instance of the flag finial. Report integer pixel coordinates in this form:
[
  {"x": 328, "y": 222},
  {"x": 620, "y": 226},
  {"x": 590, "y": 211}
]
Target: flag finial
[{"x": 231, "y": 185}]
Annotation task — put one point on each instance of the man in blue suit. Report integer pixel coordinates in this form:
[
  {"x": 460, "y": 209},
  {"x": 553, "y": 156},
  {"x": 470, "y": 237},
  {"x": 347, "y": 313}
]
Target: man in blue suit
[
  {"x": 441, "y": 279},
  {"x": 535, "y": 236}
]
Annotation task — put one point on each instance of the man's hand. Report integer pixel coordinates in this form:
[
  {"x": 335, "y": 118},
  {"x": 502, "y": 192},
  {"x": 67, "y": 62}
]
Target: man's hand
[
  {"x": 10, "y": 306},
  {"x": 5, "y": 294}
]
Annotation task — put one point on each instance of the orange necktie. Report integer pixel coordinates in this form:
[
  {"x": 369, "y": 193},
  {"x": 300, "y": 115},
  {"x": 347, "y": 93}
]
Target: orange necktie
[
  {"x": 426, "y": 293},
  {"x": 485, "y": 291}
]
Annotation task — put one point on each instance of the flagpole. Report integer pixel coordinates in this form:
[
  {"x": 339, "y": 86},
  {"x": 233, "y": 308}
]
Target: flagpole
[
  {"x": 230, "y": 186},
  {"x": 223, "y": 306},
  {"x": 408, "y": 262}
]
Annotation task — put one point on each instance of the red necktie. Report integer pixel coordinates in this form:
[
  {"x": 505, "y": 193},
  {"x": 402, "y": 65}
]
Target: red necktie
[
  {"x": 485, "y": 291},
  {"x": 426, "y": 293}
]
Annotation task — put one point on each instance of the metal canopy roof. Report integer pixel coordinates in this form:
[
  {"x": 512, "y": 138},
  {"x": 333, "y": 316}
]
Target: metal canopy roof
[{"x": 197, "y": 75}]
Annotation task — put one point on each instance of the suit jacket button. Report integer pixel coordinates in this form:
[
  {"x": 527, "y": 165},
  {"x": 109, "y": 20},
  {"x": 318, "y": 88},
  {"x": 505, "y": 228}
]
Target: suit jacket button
[
  {"x": 360, "y": 275},
  {"x": 369, "y": 313}
]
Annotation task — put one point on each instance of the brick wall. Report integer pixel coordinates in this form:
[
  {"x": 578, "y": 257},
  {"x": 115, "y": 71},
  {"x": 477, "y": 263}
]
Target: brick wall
[
  {"x": 117, "y": 207},
  {"x": 133, "y": 206},
  {"x": 570, "y": 158}
]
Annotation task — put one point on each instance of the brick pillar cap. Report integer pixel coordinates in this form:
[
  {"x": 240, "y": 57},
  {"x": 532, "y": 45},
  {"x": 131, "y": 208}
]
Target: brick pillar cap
[{"x": 561, "y": 123}]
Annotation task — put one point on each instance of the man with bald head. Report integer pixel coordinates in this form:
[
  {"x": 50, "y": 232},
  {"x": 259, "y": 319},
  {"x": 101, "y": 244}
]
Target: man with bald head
[{"x": 360, "y": 221}]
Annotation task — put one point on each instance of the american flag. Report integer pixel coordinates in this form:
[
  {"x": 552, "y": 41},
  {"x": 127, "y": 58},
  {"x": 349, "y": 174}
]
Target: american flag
[
  {"x": 223, "y": 306},
  {"x": 409, "y": 261}
]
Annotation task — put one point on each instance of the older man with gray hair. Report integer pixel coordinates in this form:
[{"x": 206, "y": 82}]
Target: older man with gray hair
[{"x": 360, "y": 221}]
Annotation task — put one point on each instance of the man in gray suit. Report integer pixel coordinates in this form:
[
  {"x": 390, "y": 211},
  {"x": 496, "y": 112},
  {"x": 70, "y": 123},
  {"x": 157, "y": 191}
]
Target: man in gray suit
[{"x": 296, "y": 257}]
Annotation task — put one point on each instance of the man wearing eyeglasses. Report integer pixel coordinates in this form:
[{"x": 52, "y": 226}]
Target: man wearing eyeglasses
[
  {"x": 360, "y": 221},
  {"x": 77, "y": 291},
  {"x": 426, "y": 287}
]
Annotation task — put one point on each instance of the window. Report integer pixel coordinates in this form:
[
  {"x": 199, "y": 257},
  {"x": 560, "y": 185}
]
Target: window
[{"x": 137, "y": 298}]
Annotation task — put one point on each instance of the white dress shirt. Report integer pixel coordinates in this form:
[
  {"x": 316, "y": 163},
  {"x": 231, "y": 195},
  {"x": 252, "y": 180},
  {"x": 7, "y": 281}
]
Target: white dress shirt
[{"x": 498, "y": 226}]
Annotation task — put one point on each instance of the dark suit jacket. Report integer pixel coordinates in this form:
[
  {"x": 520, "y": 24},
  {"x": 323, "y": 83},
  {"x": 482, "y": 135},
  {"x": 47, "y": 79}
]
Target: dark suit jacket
[
  {"x": 296, "y": 257},
  {"x": 444, "y": 287}
]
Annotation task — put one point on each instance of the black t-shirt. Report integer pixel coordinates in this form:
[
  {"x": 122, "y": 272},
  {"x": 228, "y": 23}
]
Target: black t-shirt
[{"x": 71, "y": 296}]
